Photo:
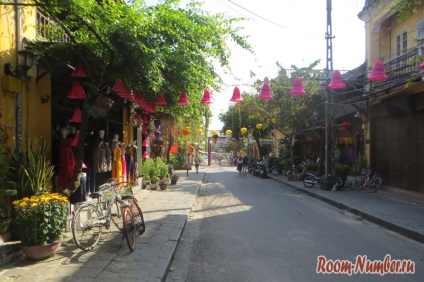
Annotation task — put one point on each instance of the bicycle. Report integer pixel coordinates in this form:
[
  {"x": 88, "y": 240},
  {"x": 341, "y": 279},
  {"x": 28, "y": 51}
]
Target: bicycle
[
  {"x": 89, "y": 219},
  {"x": 368, "y": 179}
]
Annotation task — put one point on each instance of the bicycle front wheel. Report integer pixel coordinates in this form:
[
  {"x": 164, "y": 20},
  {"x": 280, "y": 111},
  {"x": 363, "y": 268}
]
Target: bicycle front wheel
[
  {"x": 359, "y": 182},
  {"x": 339, "y": 183},
  {"x": 308, "y": 181},
  {"x": 374, "y": 184},
  {"x": 129, "y": 227},
  {"x": 86, "y": 226},
  {"x": 116, "y": 215}
]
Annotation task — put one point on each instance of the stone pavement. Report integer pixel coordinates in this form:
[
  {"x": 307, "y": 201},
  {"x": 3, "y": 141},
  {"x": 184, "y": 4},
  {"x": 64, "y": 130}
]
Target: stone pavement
[
  {"x": 165, "y": 214},
  {"x": 402, "y": 216}
]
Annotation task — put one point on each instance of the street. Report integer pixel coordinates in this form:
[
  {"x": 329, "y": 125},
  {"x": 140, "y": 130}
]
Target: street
[{"x": 244, "y": 228}]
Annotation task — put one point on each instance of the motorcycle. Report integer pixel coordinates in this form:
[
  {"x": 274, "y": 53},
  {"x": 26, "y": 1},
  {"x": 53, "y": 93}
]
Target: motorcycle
[
  {"x": 312, "y": 178},
  {"x": 259, "y": 169}
]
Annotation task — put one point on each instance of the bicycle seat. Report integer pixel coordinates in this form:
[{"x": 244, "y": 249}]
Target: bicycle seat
[
  {"x": 127, "y": 197},
  {"x": 95, "y": 195}
]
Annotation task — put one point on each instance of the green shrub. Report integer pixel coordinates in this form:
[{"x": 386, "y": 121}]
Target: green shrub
[{"x": 178, "y": 160}]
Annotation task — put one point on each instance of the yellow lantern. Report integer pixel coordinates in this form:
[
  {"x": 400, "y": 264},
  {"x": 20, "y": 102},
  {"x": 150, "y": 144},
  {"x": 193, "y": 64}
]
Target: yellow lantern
[
  {"x": 243, "y": 130},
  {"x": 228, "y": 132},
  {"x": 199, "y": 131},
  {"x": 259, "y": 126},
  {"x": 274, "y": 120},
  {"x": 214, "y": 133}
]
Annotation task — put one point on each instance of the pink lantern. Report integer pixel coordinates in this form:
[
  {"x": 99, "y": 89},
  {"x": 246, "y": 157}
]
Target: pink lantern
[
  {"x": 297, "y": 87},
  {"x": 183, "y": 99},
  {"x": 79, "y": 72},
  {"x": 145, "y": 143},
  {"x": 378, "y": 72},
  {"x": 161, "y": 100},
  {"x": 144, "y": 131},
  {"x": 422, "y": 65},
  {"x": 145, "y": 155},
  {"x": 236, "y": 96},
  {"x": 145, "y": 120},
  {"x": 77, "y": 116},
  {"x": 206, "y": 97},
  {"x": 265, "y": 92},
  {"x": 336, "y": 81},
  {"x": 77, "y": 92}
]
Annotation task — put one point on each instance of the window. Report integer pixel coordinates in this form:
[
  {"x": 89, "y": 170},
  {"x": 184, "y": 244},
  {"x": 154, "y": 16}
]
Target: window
[
  {"x": 402, "y": 43},
  {"x": 420, "y": 30}
]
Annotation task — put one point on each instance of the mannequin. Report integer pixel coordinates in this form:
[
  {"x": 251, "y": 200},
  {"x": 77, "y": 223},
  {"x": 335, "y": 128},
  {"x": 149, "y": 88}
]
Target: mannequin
[
  {"x": 102, "y": 159},
  {"x": 66, "y": 160},
  {"x": 130, "y": 159},
  {"x": 117, "y": 157}
]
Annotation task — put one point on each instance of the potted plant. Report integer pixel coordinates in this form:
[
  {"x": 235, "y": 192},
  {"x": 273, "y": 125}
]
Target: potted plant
[
  {"x": 174, "y": 179},
  {"x": 41, "y": 220},
  {"x": 342, "y": 170},
  {"x": 163, "y": 173},
  {"x": 146, "y": 168}
]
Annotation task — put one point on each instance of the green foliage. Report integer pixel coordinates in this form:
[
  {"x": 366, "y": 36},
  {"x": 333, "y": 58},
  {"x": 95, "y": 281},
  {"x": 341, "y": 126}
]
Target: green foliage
[
  {"x": 178, "y": 160},
  {"x": 147, "y": 166},
  {"x": 41, "y": 219},
  {"x": 341, "y": 169},
  {"x": 162, "y": 168},
  {"x": 32, "y": 172},
  {"x": 359, "y": 164}
]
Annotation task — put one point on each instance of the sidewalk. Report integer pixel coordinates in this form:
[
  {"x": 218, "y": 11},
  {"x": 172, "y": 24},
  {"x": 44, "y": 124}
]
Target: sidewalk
[
  {"x": 165, "y": 214},
  {"x": 402, "y": 216}
]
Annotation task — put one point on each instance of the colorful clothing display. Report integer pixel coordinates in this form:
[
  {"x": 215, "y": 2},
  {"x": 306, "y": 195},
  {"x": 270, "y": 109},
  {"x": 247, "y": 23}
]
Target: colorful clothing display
[{"x": 66, "y": 163}]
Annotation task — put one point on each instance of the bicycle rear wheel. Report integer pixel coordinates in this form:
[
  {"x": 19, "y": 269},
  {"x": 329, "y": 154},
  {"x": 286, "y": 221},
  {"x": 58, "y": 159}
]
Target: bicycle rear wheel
[
  {"x": 138, "y": 216},
  {"x": 129, "y": 227},
  {"x": 374, "y": 184},
  {"x": 359, "y": 182},
  {"x": 308, "y": 181},
  {"x": 85, "y": 226},
  {"x": 339, "y": 183}
]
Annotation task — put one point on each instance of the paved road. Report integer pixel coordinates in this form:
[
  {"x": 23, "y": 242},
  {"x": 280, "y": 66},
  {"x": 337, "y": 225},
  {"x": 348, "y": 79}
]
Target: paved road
[{"x": 243, "y": 228}]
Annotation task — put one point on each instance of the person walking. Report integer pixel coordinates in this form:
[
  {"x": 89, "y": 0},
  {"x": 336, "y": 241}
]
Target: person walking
[
  {"x": 239, "y": 164},
  {"x": 245, "y": 164},
  {"x": 197, "y": 163}
]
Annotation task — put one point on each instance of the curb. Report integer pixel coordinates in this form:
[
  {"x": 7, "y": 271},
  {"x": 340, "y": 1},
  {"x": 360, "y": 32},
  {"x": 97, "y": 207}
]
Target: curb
[
  {"x": 171, "y": 259},
  {"x": 388, "y": 225}
]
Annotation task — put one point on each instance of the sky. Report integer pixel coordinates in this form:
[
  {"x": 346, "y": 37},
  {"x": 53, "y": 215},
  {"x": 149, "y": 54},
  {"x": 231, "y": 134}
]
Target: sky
[{"x": 291, "y": 32}]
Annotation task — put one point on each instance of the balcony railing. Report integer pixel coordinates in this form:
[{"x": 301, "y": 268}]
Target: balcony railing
[
  {"x": 399, "y": 70},
  {"x": 49, "y": 30}
]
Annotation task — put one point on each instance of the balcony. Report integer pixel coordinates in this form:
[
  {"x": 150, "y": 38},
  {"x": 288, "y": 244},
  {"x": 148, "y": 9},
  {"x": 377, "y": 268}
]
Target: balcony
[{"x": 400, "y": 70}]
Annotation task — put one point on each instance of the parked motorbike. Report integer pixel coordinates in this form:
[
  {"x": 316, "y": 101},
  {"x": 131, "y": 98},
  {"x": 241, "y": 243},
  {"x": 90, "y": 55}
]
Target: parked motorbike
[
  {"x": 312, "y": 178},
  {"x": 259, "y": 169}
]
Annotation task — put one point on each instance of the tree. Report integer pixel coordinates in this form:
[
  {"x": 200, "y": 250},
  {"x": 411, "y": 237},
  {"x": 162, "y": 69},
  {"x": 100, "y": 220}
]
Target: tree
[
  {"x": 153, "y": 50},
  {"x": 285, "y": 112}
]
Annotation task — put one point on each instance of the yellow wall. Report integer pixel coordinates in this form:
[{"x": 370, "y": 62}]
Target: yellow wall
[{"x": 36, "y": 116}]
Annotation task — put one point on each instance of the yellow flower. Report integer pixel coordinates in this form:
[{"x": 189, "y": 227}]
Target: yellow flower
[
  {"x": 23, "y": 204},
  {"x": 15, "y": 202},
  {"x": 34, "y": 204}
]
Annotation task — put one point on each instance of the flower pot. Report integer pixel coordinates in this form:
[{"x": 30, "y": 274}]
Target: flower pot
[
  {"x": 163, "y": 186},
  {"x": 41, "y": 252},
  {"x": 153, "y": 186}
]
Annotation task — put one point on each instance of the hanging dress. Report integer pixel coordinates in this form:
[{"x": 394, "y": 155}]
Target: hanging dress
[
  {"x": 117, "y": 163},
  {"x": 66, "y": 163}
]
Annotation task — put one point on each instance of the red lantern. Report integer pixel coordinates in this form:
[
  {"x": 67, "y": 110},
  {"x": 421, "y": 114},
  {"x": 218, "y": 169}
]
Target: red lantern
[
  {"x": 346, "y": 124},
  {"x": 186, "y": 132},
  {"x": 174, "y": 149}
]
